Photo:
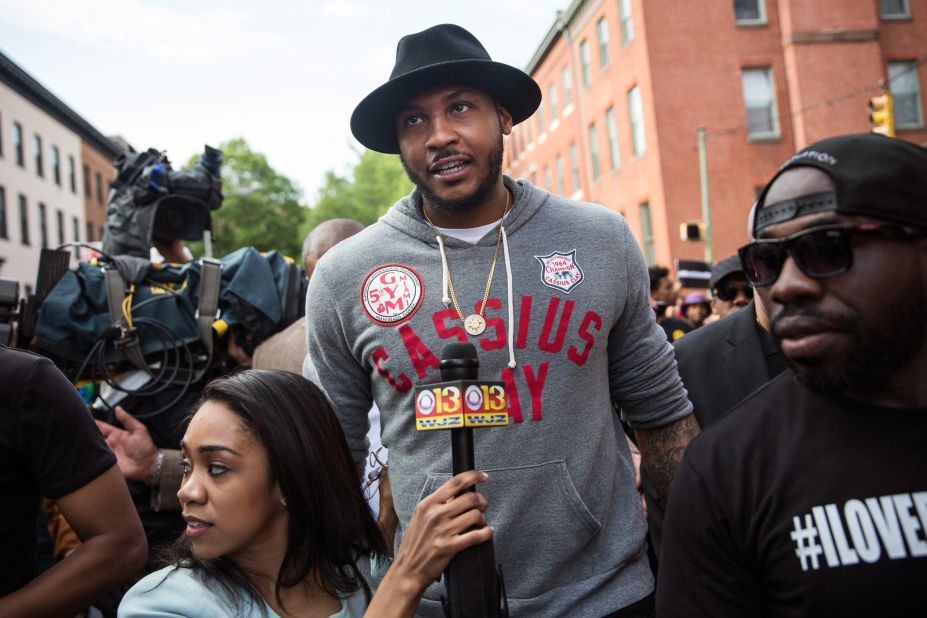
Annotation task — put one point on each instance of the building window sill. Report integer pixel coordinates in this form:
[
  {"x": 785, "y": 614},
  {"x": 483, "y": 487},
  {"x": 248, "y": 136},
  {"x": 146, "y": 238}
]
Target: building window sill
[{"x": 764, "y": 138}]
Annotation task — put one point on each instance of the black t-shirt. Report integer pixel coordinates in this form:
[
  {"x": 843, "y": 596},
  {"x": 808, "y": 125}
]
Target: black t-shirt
[
  {"x": 675, "y": 328},
  {"x": 796, "y": 504},
  {"x": 49, "y": 446}
]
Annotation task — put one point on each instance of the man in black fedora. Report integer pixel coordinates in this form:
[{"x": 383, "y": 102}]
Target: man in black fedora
[{"x": 554, "y": 295}]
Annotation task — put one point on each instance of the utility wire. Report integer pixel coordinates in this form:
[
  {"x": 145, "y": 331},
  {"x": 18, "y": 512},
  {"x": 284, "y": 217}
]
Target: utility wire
[{"x": 849, "y": 95}]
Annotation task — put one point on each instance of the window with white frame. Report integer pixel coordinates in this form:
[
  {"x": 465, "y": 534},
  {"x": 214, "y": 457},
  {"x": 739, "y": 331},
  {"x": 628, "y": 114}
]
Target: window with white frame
[
  {"x": 567, "y": 87},
  {"x": 59, "y": 217},
  {"x": 760, "y": 102},
  {"x": 56, "y": 164},
  {"x": 636, "y": 117},
  {"x": 750, "y": 11},
  {"x": 552, "y": 100},
  {"x": 540, "y": 114},
  {"x": 650, "y": 253},
  {"x": 602, "y": 29},
  {"x": 574, "y": 167},
  {"x": 72, "y": 174},
  {"x": 4, "y": 233},
  {"x": 547, "y": 181},
  {"x": 43, "y": 226},
  {"x": 614, "y": 154},
  {"x": 558, "y": 164},
  {"x": 23, "y": 220},
  {"x": 895, "y": 9},
  {"x": 18, "y": 144},
  {"x": 37, "y": 152},
  {"x": 906, "y": 94},
  {"x": 625, "y": 22},
  {"x": 594, "y": 152},
  {"x": 586, "y": 60}
]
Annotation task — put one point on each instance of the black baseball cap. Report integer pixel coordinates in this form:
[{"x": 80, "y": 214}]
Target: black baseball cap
[
  {"x": 874, "y": 175},
  {"x": 727, "y": 266}
]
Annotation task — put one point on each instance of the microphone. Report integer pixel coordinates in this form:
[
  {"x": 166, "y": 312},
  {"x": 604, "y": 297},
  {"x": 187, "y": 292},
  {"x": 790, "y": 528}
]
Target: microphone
[
  {"x": 460, "y": 403},
  {"x": 460, "y": 400}
]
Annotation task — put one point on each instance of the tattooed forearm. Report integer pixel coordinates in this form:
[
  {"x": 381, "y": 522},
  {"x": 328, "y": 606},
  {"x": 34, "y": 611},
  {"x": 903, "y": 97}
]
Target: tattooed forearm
[{"x": 662, "y": 449}]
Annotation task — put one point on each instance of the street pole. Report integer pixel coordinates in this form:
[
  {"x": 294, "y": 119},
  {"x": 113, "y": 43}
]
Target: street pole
[{"x": 703, "y": 181}]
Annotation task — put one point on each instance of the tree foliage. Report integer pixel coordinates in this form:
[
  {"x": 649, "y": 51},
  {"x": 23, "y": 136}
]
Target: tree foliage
[
  {"x": 373, "y": 185},
  {"x": 261, "y": 207}
]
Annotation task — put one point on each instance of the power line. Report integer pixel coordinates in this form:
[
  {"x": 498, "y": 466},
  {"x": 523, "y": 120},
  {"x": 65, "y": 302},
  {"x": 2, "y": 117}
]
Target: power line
[{"x": 827, "y": 103}]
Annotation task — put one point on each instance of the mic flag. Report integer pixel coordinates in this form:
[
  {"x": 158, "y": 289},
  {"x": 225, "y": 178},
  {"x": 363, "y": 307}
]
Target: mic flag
[{"x": 461, "y": 403}]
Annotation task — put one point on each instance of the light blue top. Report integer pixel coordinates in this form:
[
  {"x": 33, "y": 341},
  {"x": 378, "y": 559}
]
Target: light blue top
[{"x": 173, "y": 592}]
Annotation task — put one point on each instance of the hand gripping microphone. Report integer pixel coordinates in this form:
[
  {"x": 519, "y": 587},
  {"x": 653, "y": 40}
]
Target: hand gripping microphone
[{"x": 460, "y": 402}]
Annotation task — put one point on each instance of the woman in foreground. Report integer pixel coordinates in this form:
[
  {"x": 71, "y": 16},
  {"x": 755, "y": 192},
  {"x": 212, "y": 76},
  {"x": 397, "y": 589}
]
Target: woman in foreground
[{"x": 277, "y": 524}]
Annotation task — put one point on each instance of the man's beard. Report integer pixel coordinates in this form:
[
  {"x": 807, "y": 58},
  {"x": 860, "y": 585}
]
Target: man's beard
[
  {"x": 880, "y": 349},
  {"x": 466, "y": 204}
]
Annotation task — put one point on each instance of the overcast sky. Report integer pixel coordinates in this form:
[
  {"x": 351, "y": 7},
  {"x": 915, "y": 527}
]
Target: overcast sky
[{"x": 175, "y": 74}]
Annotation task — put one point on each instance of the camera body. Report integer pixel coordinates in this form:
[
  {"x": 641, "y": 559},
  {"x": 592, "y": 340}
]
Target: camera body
[{"x": 150, "y": 201}]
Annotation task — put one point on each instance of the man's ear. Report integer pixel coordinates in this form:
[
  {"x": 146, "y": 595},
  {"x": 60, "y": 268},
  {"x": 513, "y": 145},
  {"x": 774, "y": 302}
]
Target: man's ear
[{"x": 505, "y": 119}]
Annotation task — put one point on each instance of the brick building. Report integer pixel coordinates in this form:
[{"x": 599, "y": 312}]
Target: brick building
[
  {"x": 55, "y": 170},
  {"x": 627, "y": 84}
]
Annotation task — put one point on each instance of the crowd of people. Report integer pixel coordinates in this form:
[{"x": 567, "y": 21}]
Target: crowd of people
[{"x": 756, "y": 450}]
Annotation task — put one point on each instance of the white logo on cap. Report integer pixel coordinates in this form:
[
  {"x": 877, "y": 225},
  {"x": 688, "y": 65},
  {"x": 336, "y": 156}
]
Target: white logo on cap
[{"x": 820, "y": 157}]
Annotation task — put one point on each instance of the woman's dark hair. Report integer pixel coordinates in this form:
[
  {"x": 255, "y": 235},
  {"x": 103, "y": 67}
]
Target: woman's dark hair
[{"x": 331, "y": 526}]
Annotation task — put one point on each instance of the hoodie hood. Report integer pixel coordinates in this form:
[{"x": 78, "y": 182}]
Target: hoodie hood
[{"x": 406, "y": 214}]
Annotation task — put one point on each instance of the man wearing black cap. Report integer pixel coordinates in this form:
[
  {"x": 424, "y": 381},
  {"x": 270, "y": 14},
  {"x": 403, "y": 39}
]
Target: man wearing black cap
[
  {"x": 729, "y": 288},
  {"x": 810, "y": 497},
  {"x": 554, "y": 294}
]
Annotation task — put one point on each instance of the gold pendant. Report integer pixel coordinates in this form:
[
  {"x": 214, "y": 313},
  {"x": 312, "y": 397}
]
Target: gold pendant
[{"x": 475, "y": 324}]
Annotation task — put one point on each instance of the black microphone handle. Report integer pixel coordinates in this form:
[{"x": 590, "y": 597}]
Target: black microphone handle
[
  {"x": 460, "y": 362},
  {"x": 462, "y": 451}
]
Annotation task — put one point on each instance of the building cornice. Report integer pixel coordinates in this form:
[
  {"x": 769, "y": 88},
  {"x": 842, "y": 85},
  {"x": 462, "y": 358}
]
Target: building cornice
[{"x": 23, "y": 83}]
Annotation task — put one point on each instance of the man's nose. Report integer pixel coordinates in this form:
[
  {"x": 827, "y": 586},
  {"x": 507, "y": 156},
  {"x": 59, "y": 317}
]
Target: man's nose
[
  {"x": 793, "y": 286},
  {"x": 442, "y": 133}
]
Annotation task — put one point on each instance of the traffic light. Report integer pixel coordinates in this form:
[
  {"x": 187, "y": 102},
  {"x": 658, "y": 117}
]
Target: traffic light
[
  {"x": 692, "y": 230},
  {"x": 881, "y": 114}
]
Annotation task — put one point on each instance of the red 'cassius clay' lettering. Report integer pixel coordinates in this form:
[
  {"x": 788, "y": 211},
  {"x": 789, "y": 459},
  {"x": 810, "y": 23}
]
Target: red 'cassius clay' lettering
[{"x": 551, "y": 339}]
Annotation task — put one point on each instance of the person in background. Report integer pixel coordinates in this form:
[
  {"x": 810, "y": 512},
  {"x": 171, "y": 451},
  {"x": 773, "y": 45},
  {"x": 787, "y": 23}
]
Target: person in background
[
  {"x": 287, "y": 349},
  {"x": 695, "y": 308},
  {"x": 729, "y": 288},
  {"x": 663, "y": 298},
  {"x": 809, "y": 498},
  {"x": 49, "y": 447},
  {"x": 277, "y": 525}
]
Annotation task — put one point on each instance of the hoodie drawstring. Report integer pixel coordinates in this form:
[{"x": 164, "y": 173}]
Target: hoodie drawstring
[
  {"x": 444, "y": 272},
  {"x": 508, "y": 285}
]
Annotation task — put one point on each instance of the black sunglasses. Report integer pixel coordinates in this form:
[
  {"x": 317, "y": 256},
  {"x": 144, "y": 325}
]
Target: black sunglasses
[
  {"x": 820, "y": 252},
  {"x": 728, "y": 290}
]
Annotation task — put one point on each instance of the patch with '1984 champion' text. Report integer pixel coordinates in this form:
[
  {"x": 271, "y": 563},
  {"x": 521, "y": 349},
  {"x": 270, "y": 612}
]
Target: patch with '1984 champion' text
[
  {"x": 560, "y": 270},
  {"x": 391, "y": 294}
]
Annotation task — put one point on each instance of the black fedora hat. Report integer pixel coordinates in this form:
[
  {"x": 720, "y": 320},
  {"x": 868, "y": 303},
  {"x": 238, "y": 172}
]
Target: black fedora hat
[{"x": 444, "y": 54}]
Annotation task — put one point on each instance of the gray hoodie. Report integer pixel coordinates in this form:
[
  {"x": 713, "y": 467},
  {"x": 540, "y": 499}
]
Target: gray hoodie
[{"x": 569, "y": 529}]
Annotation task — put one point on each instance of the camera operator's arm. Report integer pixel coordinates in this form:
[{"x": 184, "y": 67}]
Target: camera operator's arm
[
  {"x": 140, "y": 460},
  {"x": 112, "y": 549}
]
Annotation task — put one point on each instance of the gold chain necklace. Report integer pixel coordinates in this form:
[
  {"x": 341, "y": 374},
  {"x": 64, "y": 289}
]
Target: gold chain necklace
[{"x": 474, "y": 323}]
